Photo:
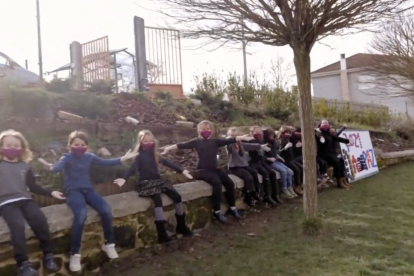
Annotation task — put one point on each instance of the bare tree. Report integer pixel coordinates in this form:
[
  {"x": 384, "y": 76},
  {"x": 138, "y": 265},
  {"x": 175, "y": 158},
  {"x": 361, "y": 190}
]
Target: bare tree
[
  {"x": 281, "y": 73},
  {"x": 392, "y": 68},
  {"x": 297, "y": 23},
  {"x": 155, "y": 72}
]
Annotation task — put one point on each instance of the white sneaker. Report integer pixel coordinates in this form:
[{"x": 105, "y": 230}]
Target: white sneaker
[
  {"x": 110, "y": 250},
  {"x": 286, "y": 193},
  {"x": 75, "y": 263},
  {"x": 292, "y": 192}
]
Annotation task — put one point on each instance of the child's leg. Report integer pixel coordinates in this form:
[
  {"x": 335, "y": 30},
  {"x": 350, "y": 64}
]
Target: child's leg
[
  {"x": 266, "y": 182},
  {"x": 229, "y": 185},
  {"x": 96, "y": 201},
  {"x": 278, "y": 166},
  {"x": 273, "y": 180},
  {"x": 212, "y": 178},
  {"x": 255, "y": 177},
  {"x": 246, "y": 176},
  {"x": 38, "y": 223},
  {"x": 176, "y": 197},
  {"x": 159, "y": 212},
  {"x": 76, "y": 201},
  {"x": 13, "y": 216}
]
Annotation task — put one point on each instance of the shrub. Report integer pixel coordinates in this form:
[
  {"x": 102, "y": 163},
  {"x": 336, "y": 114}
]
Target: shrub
[
  {"x": 163, "y": 96},
  {"x": 102, "y": 87},
  {"x": 58, "y": 85}
]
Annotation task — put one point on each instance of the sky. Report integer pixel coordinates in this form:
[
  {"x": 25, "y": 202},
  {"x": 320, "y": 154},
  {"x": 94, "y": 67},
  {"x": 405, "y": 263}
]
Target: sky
[{"x": 65, "y": 21}]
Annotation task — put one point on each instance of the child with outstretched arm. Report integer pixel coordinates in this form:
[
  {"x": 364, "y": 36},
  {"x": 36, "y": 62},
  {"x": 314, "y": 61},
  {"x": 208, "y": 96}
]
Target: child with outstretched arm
[
  {"x": 152, "y": 185},
  {"x": 208, "y": 168},
  {"x": 80, "y": 193},
  {"x": 17, "y": 206}
]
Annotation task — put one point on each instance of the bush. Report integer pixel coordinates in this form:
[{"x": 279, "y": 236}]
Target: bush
[
  {"x": 102, "y": 87},
  {"x": 58, "y": 85}
]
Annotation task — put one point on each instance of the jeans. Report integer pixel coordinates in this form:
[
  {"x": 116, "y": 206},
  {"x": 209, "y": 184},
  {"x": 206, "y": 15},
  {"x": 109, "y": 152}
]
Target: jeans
[
  {"x": 285, "y": 174},
  {"x": 77, "y": 199},
  {"x": 15, "y": 214}
]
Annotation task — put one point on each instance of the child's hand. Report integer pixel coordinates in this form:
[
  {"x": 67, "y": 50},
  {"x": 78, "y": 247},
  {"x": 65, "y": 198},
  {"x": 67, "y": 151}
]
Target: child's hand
[
  {"x": 45, "y": 164},
  {"x": 58, "y": 195},
  {"x": 298, "y": 144},
  {"x": 164, "y": 152},
  {"x": 247, "y": 138},
  {"x": 129, "y": 155},
  {"x": 120, "y": 182},
  {"x": 288, "y": 145},
  {"x": 271, "y": 159},
  {"x": 281, "y": 159},
  {"x": 322, "y": 140},
  {"x": 318, "y": 129},
  {"x": 187, "y": 174},
  {"x": 265, "y": 148}
]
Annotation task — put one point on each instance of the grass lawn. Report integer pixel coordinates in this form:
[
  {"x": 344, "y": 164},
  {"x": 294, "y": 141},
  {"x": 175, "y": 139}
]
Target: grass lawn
[{"x": 369, "y": 230}]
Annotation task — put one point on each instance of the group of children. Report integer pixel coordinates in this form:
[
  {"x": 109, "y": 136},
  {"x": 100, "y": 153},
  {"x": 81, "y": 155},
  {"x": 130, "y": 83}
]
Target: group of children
[{"x": 263, "y": 152}]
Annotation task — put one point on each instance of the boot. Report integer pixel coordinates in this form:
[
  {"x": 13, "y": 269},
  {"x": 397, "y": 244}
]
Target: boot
[
  {"x": 298, "y": 190},
  {"x": 220, "y": 217},
  {"x": 26, "y": 269},
  {"x": 276, "y": 194},
  {"x": 249, "y": 199},
  {"x": 277, "y": 198},
  {"x": 162, "y": 232},
  {"x": 340, "y": 184},
  {"x": 347, "y": 183},
  {"x": 267, "y": 198},
  {"x": 49, "y": 263},
  {"x": 182, "y": 227},
  {"x": 235, "y": 213},
  {"x": 257, "y": 196}
]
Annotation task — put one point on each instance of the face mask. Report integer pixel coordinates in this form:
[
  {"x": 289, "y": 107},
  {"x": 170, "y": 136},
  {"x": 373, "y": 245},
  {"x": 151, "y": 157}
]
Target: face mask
[
  {"x": 287, "y": 135},
  {"x": 324, "y": 127},
  {"x": 298, "y": 134},
  {"x": 11, "y": 153},
  {"x": 271, "y": 138},
  {"x": 257, "y": 136},
  {"x": 78, "y": 151},
  {"x": 147, "y": 146},
  {"x": 205, "y": 134}
]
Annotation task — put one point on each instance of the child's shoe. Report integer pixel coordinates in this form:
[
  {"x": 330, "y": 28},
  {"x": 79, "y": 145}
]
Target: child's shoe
[
  {"x": 26, "y": 269},
  {"x": 49, "y": 263},
  {"x": 249, "y": 200},
  {"x": 220, "y": 217},
  {"x": 182, "y": 227},
  {"x": 75, "y": 263},
  {"x": 269, "y": 200},
  {"x": 162, "y": 232},
  {"x": 235, "y": 213},
  {"x": 110, "y": 250}
]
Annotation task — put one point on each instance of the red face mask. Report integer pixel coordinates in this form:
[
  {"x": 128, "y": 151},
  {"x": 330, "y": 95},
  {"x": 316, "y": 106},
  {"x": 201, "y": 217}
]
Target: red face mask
[
  {"x": 205, "y": 134},
  {"x": 287, "y": 135},
  {"x": 148, "y": 146},
  {"x": 78, "y": 151},
  {"x": 11, "y": 153},
  {"x": 257, "y": 136},
  {"x": 298, "y": 134},
  {"x": 324, "y": 127}
]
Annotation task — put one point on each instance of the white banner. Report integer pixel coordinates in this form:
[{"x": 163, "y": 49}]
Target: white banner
[{"x": 359, "y": 156}]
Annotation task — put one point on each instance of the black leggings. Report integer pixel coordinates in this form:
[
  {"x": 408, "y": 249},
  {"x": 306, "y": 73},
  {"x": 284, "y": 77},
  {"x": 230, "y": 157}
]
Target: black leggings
[
  {"x": 322, "y": 165},
  {"x": 249, "y": 176},
  {"x": 297, "y": 169},
  {"x": 268, "y": 174},
  {"x": 15, "y": 214},
  {"x": 170, "y": 192},
  {"x": 336, "y": 163},
  {"x": 218, "y": 178}
]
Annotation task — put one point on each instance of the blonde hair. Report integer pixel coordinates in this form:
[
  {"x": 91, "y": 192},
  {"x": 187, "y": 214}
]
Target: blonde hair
[
  {"x": 252, "y": 128},
  {"x": 27, "y": 154},
  {"x": 141, "y": 137},
  {"x": 78, "y": 134},
  {"x": 210, "y": 124},
  {"x": 283, "y": 129},
  {"x": 231, "y": 129}
]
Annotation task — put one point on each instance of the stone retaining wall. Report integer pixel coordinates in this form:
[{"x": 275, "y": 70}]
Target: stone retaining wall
[{"x": 133, "y": 223}]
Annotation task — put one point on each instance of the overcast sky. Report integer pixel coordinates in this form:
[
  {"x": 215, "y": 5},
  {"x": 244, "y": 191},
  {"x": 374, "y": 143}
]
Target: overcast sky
[{"x": 64, "y": 21}]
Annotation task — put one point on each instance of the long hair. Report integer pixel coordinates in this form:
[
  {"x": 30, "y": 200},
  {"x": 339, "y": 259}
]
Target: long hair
[
  {"x": 253, "y": 128},
  {"x": 283, "y": 130},
  {"x": 27, "y": 154},
  {"x": 141, "y": 136}
]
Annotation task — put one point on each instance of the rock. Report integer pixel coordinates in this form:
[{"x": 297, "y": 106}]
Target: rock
[
  {"x": 251, "y": 235},
  {"x": 103, "y": 152},
  {"x": 131, "y": 120},
  {"x": 195, "y": 101},
  {"x": 185, "y": 124},
  {"x": 182, "y": 118},
  {"x": 69, "y": 116}
]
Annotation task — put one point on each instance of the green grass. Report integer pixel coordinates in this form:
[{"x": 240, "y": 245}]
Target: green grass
[{"x": 368, "y": 230}]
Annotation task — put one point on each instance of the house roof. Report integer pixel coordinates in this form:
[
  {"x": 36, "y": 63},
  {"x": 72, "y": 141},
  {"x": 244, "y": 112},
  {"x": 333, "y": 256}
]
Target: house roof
[{"x": 352, "y": 62}]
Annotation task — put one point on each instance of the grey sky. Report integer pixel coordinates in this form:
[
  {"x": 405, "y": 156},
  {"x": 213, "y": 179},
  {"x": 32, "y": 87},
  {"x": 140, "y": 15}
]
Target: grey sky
[{"x": 64, "y": 21}]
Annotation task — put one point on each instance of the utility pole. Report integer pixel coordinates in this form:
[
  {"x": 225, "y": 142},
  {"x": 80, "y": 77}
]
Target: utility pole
[
  {"x": 39, "y": 41},
  {"x": 244, "y": 44}
]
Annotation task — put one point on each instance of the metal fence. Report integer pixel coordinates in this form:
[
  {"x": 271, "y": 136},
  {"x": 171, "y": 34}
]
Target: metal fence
[
  {"x": 96, "y": 60},
  {"x": 355, "y": 106}
]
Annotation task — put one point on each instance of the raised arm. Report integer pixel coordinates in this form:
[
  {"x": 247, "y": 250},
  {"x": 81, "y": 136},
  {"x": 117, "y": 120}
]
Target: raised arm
[
  {"x": 105, "y": 162},
  {"x": 251, "y": 146},
  {"x": 225, "y": 142},
  {"x": 171, "y": 165},
  {"x": 340, "y": 139},
  {"x": 192, "y": 144},
  {"x": 340, "y": 131},
  {"x": 34, "y": 187}
]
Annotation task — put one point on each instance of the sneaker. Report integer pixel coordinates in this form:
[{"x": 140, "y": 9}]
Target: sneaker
[
  {"x": 110, "y": 250},
  {"x": 219, "y": 216},
  {"x": 287, "y": 193},
  {"x": 235, "y": 213},
  {"x": 26, "y": 269},
  {"x": 75, "y": 263},
  {"x": 298, "y": 191},
  {"x": 292, "y": 192},
  {"x": 49, "y": 263},
  {"x": 269, "y": 200}
]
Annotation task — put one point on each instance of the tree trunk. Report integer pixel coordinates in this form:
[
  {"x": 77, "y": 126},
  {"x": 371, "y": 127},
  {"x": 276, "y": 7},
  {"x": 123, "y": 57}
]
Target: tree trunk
[{"x": 310, "y": 199}]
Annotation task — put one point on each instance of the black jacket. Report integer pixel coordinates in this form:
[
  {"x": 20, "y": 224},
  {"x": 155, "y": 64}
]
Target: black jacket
[{"x": 328, "y": 147}]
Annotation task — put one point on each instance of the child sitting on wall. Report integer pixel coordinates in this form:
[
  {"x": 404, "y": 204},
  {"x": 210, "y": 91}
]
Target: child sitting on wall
[
  {"x": 239, "y": 166},
  {"x": 208, "y": 168},
  {"x": 17, "y": 181},
  {"x": 258, "y": 162},
  {"x": 153, "y": 186},
  {"x": 80, "y": 193}
]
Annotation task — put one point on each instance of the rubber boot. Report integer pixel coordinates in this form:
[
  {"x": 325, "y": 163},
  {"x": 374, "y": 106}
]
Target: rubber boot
[
  {"x": 162, "y": 232},
  {"x": 267, "y": 198},
  {"x": 182, "y": 227}
]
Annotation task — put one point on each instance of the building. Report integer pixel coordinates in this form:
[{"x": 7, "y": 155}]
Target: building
[{"x": 350, "y": 79}]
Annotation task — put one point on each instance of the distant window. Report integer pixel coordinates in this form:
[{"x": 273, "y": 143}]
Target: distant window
[{"x": 366, "y": 82}]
